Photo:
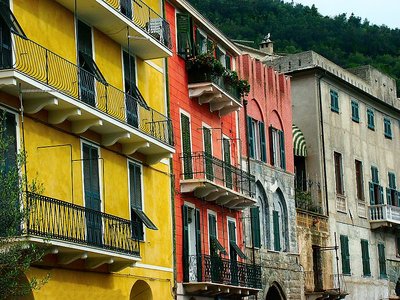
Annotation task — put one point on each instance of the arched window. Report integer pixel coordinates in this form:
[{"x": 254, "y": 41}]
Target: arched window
[
  {"x": 260, "y": 219},
  {"x": 279, "y": 221}
]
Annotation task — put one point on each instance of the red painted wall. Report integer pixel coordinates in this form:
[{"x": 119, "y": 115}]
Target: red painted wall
[
  {"x": 179, "y": 100},
  {"x": 269, "y": 100}
]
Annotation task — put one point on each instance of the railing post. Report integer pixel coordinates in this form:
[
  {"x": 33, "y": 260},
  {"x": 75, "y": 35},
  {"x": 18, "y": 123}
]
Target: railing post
[{"x": 47, "y": 66}]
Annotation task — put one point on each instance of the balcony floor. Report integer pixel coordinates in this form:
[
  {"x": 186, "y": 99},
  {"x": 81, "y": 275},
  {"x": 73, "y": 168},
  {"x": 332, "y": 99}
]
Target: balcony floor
[{"x": 214, "y": 289}]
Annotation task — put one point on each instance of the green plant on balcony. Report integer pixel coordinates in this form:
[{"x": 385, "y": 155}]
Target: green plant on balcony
[
  {"x": 205, "y": 63},
  {"x": 242, "y": 85},
  {"x": 304, "y": 201}
]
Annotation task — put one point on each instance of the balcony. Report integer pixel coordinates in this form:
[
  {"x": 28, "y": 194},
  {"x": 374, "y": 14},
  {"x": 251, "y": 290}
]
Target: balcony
[
  {"x": 383, "y": 215},
  {"x": 213, "y": 275},
  {"x": 214, "y": 90},
  {"x": 131, "y": 23},
  {"x": 215, "y": 180},
  {"x": 77, "y": 233},
  {"x": 314, "y": 287},
  {"x": 313, "y": 221},
  {"x": 68, "y": 92}
]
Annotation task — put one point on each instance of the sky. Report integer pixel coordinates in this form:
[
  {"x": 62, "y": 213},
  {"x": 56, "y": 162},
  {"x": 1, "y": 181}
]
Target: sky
[{"x": 376, "y": 11}]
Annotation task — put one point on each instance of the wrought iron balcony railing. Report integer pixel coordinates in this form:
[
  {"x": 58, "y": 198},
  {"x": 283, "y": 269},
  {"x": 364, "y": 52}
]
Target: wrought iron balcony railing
[
  {"x": 144, "y": 17},
  {"x": 71, "y": 80},
  {"x": 206, "y": 268},
  {"x": 59, "y": 220},
  {"x": 200, "y": 165},
  {"x": 197, "y": 76}
]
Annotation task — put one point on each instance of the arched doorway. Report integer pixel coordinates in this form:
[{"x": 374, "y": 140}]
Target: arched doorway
[
  {"x": 141, "y": 291},
  {"x": 275, "y": 292}
]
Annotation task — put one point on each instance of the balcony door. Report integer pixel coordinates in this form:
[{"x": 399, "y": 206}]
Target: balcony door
[
  {"x": 5, "y": 42},
  {"x": 192, "y": 260},
  {"x": 130, "y": 88},
  {"x": 92, "y": 194},
  {"x": 208, "y": 153},
  {"x": 232, "y": 252},
  {"x": 85, "y": 55},
  {"x": 226, "y": 145}
]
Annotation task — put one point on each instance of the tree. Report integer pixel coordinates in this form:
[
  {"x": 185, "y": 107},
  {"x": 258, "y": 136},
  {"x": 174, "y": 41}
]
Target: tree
[{"x": 16, "y": 254}]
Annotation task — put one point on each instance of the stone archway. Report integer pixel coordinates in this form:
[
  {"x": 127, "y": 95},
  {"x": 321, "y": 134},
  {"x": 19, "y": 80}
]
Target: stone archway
[
  {"x": 275, "y": 292},
  {"x": 141, "y": 291}
]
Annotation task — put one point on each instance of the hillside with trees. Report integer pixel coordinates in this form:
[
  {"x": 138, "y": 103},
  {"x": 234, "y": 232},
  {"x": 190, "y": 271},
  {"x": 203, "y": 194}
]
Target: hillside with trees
[{"x": 346, "y": 40}]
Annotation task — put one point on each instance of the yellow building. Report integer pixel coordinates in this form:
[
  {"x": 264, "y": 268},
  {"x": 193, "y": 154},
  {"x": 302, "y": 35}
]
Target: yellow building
[{"x": 85, "y": 82}]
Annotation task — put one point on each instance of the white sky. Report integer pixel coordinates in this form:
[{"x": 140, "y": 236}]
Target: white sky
[{"x": 376, "y": 11}]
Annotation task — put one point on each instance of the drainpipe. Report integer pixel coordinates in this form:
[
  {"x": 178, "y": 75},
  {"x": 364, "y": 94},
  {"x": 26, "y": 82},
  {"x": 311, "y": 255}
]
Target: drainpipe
[{"x": 323, "y": 142}]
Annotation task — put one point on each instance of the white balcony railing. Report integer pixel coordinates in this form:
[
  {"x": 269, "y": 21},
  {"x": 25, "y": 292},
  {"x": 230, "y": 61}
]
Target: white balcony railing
[{"x": 384, "y": 213}]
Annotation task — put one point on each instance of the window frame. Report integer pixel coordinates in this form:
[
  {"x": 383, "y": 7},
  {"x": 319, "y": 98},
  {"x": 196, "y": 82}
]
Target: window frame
[
  {"x": 359, "y": 180},
  {"x": 366, "y": 261},
  {"x": 355, "y": 111},
  {"x": 387, "y": 127},
  {"x": 371, "y": 119},
  {"x": 334, "y": 96},
  {"x": 382, "y": 261},
  {"x": 345, "y": 255}
]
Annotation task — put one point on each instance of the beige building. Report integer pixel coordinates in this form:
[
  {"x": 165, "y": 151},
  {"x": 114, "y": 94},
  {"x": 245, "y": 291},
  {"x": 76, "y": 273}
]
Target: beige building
[{"x": 349, "y": 120}]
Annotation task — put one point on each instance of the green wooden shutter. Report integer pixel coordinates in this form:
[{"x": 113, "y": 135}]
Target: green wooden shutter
[
  {"x": 255, "y": 226},
  {"x": 263, "y": 146},
  {"x": 135, "y": 185},
  {"x": 198, "y": 246},
  {"x": 382, "y": 261},
  {"x": 344, "y": 247},
  {"x": 371, "y": 193},
  {"x": 186, "y": 148},
  {"x": 381, "y": 196},
  {"x": 184, "y": 36},
  {"x": 272, "y": 145},
  {"x": 218, "y": 53},
  {"x": 277, "y": 235},
  {"x": 250, "y": 134},
  {"x": 228, "y": 62},
  {"x": 365, "y": 258},
  {"x": 375, "y": 174},
  {"x": 212, "y": 232},
  {"x": 207, "y": 153},
  {"x": 282, "y": 149},
  {"x": 389, "y": 196},
  {"x": 185, "y": 223}
]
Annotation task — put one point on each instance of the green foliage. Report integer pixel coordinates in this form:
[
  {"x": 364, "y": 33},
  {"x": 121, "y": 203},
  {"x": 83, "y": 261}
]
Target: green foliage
[
  {"x": 242, "y": 85},
  {"x": 206, "y": 63},
  {"x": 16, "y": 254},
  {"x": 347, "y": 41}
]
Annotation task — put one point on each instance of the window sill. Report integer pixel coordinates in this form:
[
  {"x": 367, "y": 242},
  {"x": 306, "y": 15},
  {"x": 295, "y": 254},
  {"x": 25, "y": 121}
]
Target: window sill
[
  {"x": 355, "y": 121},
  {"x": 388, "y": 137}
]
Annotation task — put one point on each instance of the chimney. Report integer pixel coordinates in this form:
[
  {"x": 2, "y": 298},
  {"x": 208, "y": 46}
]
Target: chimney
[{"x": 266, "y": 45}]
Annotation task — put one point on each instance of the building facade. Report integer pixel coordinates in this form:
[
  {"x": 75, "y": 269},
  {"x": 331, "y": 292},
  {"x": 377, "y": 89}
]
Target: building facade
[
  {"x": 271, "y": 224},
  {"x": 350, "y": 122},
  {"x": 211, "y": 188},
  {"x": 82, "y": 85}
]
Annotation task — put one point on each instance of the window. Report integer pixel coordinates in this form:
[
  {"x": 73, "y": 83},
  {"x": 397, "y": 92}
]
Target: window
[
  {"x": 365, "y": 258},
  {"x": 334, "y": 101},
  {"x": 215, "y": 245},
  {"x": 392, "y": 196},
  {"x": 370, "y": 119},
  {"x": 277, "y": 147},
  {"x": 226, "y": 146},
  {"x": 382, "y": 260},
  {"x": 138, "y": 217},
  {"x": 279, "y": 223},
  {"x": 355, "y": 111},
  {"x": 186, "y": 147},
  {"x": 344, "y": 250},
  {"x": 257, "y": 144},
  {"x": 375, "y": 190},
  {"x": 388, "y": 127},
  {"x": 184, "y": 34},
  {"x": 9, "y": 21},
  {"x": 255, "y": 226},
  {"x": 359, "y": 180},
  {"x": 192, "y": 266},
  {"x": 228, "y": 63},
  {"x": 339, "y": 173},
  {"x": 207, "y": 146},
  {"x": 201, "y": 42}
]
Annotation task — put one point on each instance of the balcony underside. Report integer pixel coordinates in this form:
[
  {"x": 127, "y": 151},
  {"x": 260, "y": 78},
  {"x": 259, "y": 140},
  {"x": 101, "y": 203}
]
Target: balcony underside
[
  {"x": 60, "y": 107},
  {"x": 214, "y": 289},
  {"x": 67, "y": 253},
  {"x": 221, "y": 195},
  {"x": 218, "y": 99},
  {"x": 385, "y": 223},
  {"x": 112, "y": 23}
]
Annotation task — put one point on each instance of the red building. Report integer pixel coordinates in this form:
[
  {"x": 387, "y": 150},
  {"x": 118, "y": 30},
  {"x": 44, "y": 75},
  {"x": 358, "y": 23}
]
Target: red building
[
  {"x": 266, "y": 127},
  {"x": 211, "y": 189}
]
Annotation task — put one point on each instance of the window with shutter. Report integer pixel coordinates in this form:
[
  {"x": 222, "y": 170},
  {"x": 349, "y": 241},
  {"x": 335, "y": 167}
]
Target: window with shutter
[
  {"x": 359, "y": 180},
  {"x": 208, "y": 153},
  {"x": 185, "y": 227},
  {"x": 277, "y": 234},
  {"x": 255, "y": 226},
  {"x": 228, "y": 59},
  {"x": 184, "y": 34},
  {"x": 126, "y": 8},
  {"x": 250, "y": 134},
  {"x": 345, "y": 255},
  {"x": 282, "y": 149},
  {"x": 338, "y": 173},
  {"x": 382, "y": 260},
  {"x": 355, "y": 111},
  {"x": 263, "y": 146},
  {"x": 198, "y": 245},
  {"x": 365, "y": 258},
  {"x": 388, "y": 127},
  {"x": 5, "y": 36},
  {"x": 370, "y": 119},
  {"x": 334, "y": 101},
  {"x": 201, "y": 42},
  {"x": 227, "y": 162},
  {"x": 186, "y": 147}
]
